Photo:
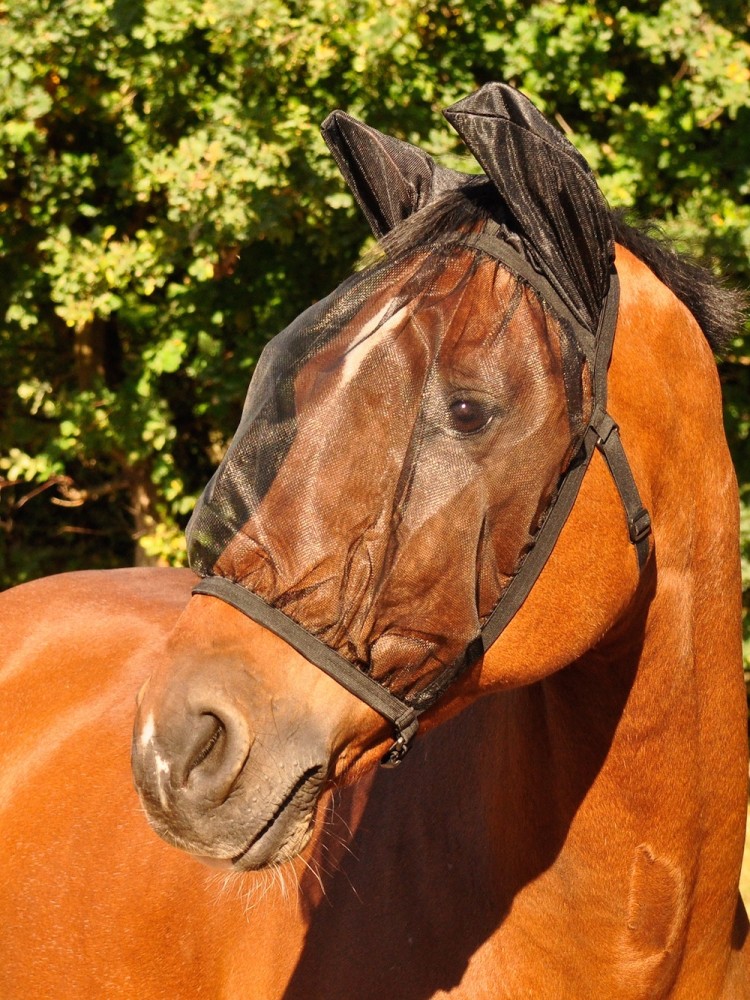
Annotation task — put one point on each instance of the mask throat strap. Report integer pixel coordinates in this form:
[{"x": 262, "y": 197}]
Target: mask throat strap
[
  {"x": 608, "y": 433},
  {"x": 602, "y": 433}
]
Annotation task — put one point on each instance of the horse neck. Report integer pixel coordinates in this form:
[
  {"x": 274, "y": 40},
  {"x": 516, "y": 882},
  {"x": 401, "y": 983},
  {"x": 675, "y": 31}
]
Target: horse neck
[{"x": 640, "y": 740}]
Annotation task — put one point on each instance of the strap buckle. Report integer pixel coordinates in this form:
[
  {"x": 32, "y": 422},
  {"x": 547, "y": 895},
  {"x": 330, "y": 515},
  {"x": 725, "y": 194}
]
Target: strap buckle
[
  {"x": 406, "y": 727},
  {"x": 399, "y": 749},
  {"x": 604, "y": 425}
]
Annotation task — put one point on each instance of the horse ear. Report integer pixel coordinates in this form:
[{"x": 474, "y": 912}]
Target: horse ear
[
  {"x": 389, "y": 178},
  {"x": 549, "y": 189}
]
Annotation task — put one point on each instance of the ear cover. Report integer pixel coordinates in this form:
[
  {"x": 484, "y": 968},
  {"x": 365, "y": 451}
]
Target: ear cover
[
  {"x": 549, "y": 189},
  {"x": 389, "y": 178}
]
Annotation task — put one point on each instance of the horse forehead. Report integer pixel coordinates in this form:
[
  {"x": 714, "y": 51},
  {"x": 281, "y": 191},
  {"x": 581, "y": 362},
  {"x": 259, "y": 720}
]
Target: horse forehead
[
  {"x": 403, "y": 327},
  {"x": 505, "y": 335}
]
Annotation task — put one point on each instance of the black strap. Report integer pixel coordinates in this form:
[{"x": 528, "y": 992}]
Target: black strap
[
  {"x": 402, "y": 716},
  {"x": 602, "y": 432},
  {"x": 609, "y": 442},
  {"x": 610, "y": 445},
  {"x": 605, "y": 339},
  {"x": 519, "y": 587}
]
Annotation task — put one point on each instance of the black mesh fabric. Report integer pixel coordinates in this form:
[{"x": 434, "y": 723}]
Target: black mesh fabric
[{"x": 400, "y": 445}]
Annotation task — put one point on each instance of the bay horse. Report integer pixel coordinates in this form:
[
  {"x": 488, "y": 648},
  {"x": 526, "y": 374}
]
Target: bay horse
[{"x": 569, "y": 820}]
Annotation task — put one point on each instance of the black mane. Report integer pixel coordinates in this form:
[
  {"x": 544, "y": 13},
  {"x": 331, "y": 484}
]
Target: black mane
[{"x": 718, "y": 310}]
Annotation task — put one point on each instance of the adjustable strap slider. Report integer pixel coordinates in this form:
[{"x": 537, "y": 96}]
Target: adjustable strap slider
[
  {"x": 639, "y": 526},
  {"x": 603, "y": 424}
]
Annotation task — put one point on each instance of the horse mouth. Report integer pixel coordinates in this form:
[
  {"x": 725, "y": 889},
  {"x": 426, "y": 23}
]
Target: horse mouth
[{"x": 288, "y": 829}]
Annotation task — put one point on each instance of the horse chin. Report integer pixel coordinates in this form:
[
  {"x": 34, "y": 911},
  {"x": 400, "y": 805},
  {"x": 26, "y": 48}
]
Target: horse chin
[
  {"x": 260, "y": 854},
  {"x": 273, "y": 848},
  {"x": 246, "y": 838},
  {"x": 289, "y": 829}
]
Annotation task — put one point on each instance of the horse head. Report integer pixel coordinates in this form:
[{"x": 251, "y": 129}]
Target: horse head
[{"x": 402, "y": 515}]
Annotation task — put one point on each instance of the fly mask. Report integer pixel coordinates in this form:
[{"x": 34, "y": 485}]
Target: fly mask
[{"x": 411, "y": 445}]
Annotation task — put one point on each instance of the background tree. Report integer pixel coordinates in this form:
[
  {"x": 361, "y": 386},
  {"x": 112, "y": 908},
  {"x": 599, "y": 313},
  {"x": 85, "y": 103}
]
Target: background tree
[{"x": 167, "y": 205}]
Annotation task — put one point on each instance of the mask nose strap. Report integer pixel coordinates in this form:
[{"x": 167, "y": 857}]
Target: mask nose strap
[{"x": 403, "y": 718}]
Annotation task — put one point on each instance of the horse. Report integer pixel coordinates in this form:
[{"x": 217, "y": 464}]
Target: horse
[{"x": 479, "y": 523}]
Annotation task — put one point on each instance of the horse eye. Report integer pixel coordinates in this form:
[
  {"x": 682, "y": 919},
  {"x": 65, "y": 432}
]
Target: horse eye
[{"x": 467, "y": 416}]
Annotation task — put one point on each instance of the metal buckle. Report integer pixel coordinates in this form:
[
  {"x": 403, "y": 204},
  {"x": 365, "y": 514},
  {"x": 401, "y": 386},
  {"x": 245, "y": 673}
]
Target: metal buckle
[
  {"x": 604, "y": 425},
  {"x": 396, "y": 753},
  {"x": 406, "y": 726},
  {"x": 639, "y": 526}
]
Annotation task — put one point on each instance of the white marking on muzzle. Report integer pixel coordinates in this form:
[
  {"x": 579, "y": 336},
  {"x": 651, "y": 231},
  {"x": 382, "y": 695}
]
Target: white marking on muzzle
[
  {"x": 162, "y": 773},
  {"x": 147, "y": 733},
  {"x": 162, "y": 766}
]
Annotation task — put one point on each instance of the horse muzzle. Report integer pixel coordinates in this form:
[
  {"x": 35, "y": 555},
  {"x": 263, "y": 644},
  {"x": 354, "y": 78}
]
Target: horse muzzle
[{"x": 224, "y": 770}]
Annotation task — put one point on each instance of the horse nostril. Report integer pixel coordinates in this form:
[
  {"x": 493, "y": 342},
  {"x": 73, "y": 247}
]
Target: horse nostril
[
  {"x": 186, "y": 759},
  {"x": 212, "y": 732},
  {"x": 215, "y": 748}
]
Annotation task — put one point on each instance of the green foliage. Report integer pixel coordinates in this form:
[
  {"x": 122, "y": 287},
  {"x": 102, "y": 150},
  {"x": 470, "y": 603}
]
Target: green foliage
[{"x": 167, "y": 204}]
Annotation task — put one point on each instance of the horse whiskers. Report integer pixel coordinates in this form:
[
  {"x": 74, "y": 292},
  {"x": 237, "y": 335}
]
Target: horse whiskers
[
  {"x": 287, "y": 878},
  {"x": 338, "y": 816},
  {"x": 346, "y": 845},
  {"x": 315, "y": 870},
  {"x": 220, "y": 883},
  {"x": 255, "y": 891},
  {"x": 338, "y": 868},
  {"x": 253, "y": 888},
  {"x": 248, "y": 888},
  {"x": 333, "y": 820},
  {"x": 332, "y": 836}
]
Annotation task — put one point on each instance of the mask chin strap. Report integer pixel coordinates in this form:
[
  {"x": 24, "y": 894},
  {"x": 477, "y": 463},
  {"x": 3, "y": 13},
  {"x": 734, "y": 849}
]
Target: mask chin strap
[{"x": 602, "y": 433}]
